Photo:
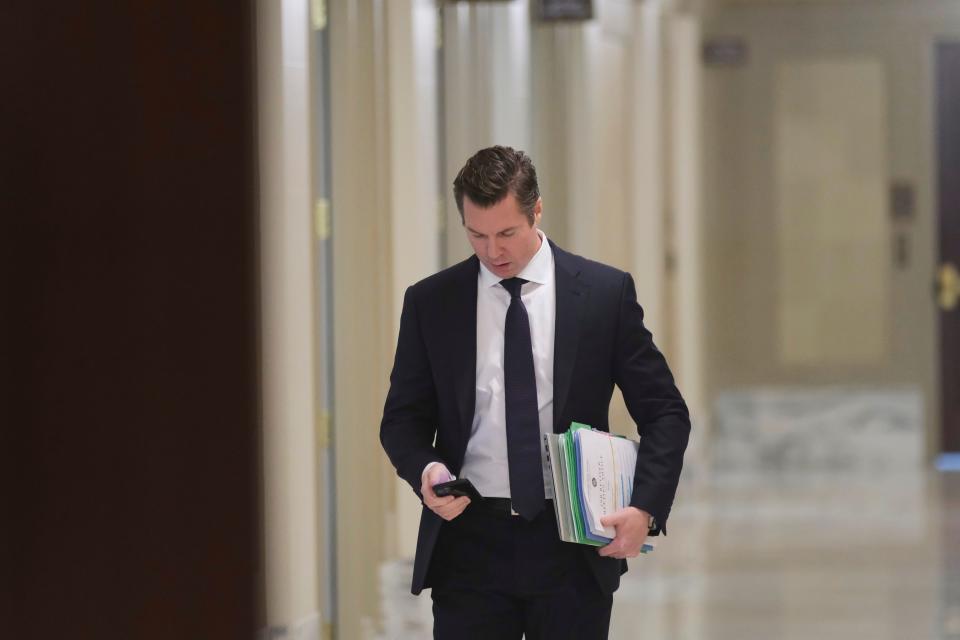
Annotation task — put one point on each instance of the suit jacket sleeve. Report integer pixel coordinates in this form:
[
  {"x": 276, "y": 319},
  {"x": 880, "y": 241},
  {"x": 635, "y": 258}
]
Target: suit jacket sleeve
[
  {"x": 409, "y": 422},
  {"x": 656, "y": 406}
]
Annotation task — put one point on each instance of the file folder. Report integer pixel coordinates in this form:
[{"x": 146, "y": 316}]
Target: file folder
[{"x": 592, "y": 474}]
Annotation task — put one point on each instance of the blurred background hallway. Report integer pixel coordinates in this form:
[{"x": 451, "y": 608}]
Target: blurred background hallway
[{"x": 212, "y": 211}]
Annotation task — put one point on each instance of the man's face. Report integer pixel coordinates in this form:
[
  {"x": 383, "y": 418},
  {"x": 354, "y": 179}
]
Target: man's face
[{"x": 501, "y": 236}]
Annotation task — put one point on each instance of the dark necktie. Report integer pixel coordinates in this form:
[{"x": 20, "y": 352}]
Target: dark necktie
[{"x": 523, "y": 421}]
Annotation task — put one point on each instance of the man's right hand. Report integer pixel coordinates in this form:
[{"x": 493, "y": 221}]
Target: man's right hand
[{"x": 447, "y": 507}]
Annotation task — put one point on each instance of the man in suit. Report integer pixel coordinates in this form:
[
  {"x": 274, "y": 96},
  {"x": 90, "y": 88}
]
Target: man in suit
[{"x": 522, "y": 339}]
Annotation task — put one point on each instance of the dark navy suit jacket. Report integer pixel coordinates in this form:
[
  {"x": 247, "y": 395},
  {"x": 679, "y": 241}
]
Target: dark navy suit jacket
[{"x": 600, "y": 341}]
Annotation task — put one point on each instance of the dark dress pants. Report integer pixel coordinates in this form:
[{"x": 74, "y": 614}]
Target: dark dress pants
[{"x": 498, "y": 576}]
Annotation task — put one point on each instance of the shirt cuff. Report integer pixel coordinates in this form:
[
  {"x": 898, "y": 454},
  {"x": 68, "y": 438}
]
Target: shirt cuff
[{"x": 423, "y": 474}]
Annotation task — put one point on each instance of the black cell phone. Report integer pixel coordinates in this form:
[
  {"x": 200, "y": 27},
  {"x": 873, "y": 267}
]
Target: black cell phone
[{"x": 457, "y": 488}]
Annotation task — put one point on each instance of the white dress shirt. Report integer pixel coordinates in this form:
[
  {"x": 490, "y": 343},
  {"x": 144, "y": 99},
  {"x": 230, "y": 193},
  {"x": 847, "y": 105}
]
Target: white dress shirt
[{"x": 485, "y": 461}]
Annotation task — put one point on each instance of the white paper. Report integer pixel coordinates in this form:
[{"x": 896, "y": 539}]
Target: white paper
[{"x": 607, "y": 465}]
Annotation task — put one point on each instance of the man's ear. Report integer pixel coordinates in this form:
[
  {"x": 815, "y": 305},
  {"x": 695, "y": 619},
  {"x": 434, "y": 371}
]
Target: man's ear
[{"x": 538, "y": 211}]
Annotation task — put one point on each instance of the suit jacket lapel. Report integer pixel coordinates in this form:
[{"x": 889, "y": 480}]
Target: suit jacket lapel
[
  {"x": 572, "y": 293},
  {"x": 463, "y": 345}
]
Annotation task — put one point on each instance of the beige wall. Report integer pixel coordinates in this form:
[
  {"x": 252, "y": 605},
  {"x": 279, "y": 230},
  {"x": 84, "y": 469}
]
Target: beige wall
[{"x": 744, "y": 197}]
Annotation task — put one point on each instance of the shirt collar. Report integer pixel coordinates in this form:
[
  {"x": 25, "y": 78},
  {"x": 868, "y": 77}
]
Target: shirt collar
[{"x": 539, "y": 269}]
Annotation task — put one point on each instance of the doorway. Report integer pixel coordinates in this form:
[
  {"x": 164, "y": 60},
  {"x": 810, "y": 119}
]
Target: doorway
[{"x": 947, "y": 287}]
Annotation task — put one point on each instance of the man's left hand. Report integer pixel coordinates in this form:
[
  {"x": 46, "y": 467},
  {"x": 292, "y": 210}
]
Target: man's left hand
[{"x": 632, "y": 526}]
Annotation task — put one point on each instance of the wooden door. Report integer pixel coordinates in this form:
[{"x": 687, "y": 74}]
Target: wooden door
[
  {"x": 948, "y": 270},
  {"x": 129, "y": 410}
]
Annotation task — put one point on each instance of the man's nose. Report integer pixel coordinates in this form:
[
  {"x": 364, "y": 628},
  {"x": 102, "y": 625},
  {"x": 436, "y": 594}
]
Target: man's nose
[{"x": 493, "y": 250}]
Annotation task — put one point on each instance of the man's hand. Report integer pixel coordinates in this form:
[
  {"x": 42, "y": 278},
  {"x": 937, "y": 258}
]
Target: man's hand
[
  {"x": 632, "y": 526},
  {"x": 446, "y": 507}
]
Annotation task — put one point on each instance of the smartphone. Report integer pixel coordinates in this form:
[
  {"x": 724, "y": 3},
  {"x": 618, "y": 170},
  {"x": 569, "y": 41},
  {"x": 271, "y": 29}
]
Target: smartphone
[{"x": 457, "y": 488}]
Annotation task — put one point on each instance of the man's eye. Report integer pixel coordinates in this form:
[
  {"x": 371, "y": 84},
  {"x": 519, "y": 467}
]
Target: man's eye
[{"x": 507, "y": 234}]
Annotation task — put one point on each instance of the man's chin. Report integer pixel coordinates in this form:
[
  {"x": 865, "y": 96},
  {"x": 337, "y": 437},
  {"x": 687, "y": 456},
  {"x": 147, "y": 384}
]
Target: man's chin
[{"x": 505, "y": 270}]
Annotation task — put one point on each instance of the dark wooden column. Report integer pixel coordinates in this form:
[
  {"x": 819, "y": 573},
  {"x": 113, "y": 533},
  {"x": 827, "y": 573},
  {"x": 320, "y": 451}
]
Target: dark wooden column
[{"x": 130, "y": 413}]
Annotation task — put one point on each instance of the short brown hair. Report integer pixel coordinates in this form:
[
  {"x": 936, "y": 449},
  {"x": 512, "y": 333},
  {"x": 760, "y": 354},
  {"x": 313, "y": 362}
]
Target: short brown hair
[{"x": 491, "y": 173}]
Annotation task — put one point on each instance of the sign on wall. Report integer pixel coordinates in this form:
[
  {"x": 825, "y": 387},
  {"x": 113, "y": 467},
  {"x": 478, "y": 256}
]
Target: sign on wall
[{"x": 549, "y": 10}]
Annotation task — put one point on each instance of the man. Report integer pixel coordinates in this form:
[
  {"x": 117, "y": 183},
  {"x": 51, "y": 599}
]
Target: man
[{"x": 522, "y": 339}]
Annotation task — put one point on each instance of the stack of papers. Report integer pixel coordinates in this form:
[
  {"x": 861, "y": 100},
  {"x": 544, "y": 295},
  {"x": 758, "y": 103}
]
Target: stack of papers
[{"x": 592, "y": 478}]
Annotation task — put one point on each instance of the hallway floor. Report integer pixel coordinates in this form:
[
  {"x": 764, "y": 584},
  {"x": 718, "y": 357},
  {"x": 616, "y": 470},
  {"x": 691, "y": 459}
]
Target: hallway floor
[
  {"x": 776, "y": 556},
  {"x": 810, "y": 556}
]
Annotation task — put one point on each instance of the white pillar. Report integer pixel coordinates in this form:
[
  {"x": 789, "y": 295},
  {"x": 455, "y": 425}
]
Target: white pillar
[
  {"x": 415, "y": 194},
  {"x": 686, "y": 134},
  {"x": 363, "y": 305},
  {"x": 580, "y": 54},
  {"x": 287, "y": 329},
  {"x": 648, "y": 146}
]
